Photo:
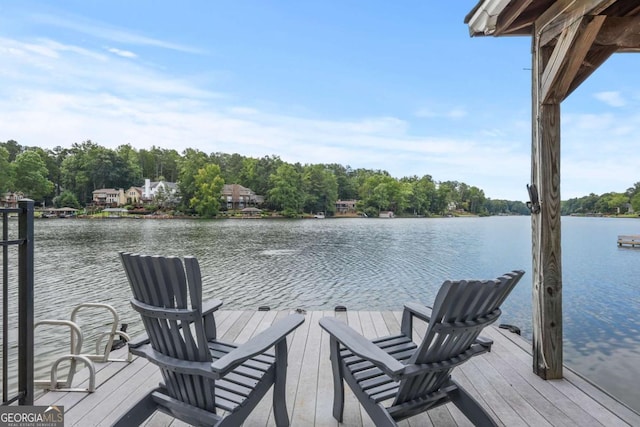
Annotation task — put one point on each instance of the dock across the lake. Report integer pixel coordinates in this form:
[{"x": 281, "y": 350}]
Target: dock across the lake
[
  {"x": 501, "y": 380},
  {"x": 629, "y": 240}
]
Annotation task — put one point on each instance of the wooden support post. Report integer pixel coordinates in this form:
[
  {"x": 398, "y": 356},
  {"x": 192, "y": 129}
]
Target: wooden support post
[{"x": 547, "y": 267}]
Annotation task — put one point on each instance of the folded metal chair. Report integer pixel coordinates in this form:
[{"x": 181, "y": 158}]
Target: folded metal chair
[
  {"x": 206, "y": 382},
  {"x": 395, "y": 378}
]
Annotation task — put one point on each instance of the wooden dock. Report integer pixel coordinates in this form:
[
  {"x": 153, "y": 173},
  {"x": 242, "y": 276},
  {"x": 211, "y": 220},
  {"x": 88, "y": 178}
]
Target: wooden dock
[
  {"x": 629, "y": 240},
  {"x": 502, "y": 380}
]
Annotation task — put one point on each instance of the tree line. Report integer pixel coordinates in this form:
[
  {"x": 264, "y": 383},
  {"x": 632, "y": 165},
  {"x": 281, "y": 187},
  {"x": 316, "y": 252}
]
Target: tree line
[
  {"x": 68, "y": 177},
  {"x": 607, "y": 204}
]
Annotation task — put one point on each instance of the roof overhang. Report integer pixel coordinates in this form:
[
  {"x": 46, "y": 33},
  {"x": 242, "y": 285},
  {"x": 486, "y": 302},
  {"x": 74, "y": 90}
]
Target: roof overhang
[
  {"x": 579, "y": 34},
  {"x": 483, "y": 19}
]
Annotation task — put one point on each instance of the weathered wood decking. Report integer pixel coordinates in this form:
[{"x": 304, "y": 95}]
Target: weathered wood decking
[{"x": 502, "y": 380}]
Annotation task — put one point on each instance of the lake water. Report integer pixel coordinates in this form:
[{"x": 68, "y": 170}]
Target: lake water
[{"x": 364, "y": 264}]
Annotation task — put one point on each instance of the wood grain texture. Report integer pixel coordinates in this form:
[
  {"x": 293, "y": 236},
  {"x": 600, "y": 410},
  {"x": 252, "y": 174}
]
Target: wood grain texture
[{"x": 546, "y": 231}]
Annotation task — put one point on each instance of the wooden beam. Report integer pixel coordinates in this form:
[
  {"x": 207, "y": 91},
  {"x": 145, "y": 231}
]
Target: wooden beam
[
  {"x": 558, "y": 58},
  {"x": 623, "y": 8},
  {"x": 595, "y": 58},
  {"x": 563, "y": 13},
  {"x": 510, "y": 14},
  {"x": 623, "y": 33},
  {"x": 545, "y": 226},
  {"x": 572, "y": 59}
]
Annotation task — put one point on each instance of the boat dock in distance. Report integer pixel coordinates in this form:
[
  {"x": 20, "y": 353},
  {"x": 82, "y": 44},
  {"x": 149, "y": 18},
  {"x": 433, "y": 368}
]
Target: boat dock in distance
[{"x": 630, "y": 240}]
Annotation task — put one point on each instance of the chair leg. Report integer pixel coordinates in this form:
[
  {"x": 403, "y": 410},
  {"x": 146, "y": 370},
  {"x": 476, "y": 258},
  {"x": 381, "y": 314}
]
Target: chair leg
[
  {"x": 470, "y": 407},
  {"x": 139, "y": 412},
  {"x": 279, "y": 386},
  {"x": 338, "y": 382}
]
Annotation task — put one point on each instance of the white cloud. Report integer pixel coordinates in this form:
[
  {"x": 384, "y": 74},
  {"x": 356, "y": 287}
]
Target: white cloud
[
  {"x": 58, "y": 94},
  {"x": 123, "y": 53},
  {"x": 611, "y": 98},
  {"x": 53, "y": 65},
  {"x": 110, "y": 33}
]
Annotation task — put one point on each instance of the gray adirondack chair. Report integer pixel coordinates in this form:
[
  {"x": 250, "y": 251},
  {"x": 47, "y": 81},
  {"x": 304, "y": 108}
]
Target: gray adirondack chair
[
  {"x": 395, "y": 378},
  {"x": 206, "y": 382}
]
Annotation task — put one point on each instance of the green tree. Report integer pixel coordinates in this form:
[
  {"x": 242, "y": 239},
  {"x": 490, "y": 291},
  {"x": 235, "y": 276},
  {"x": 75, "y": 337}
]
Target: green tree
[
  {"x": 495, "y": 207},
  {"x": 190, "y": 164},
  {"x": 632, "y": 191},
  {"x": 446, "y": 197},
  {"x": 346, "y": 180},
  {"x": 635, "y": 202},
  {"x": 6, "y": 171},
  {"x": 89, "y": 166},
  {"x": 248, "y": 173},
  {"x": 286, "y": 192},
  {"x": 264, "y": 169},
  {"x": 475, "y": 200},
  {"x": 422, "y": 194},
  {"x": 231, "y": 166},
  {"x": 208, "y": 191},
  {"x": 66, "y": 199},
  {"x": 321, "y": 189},
  {"x": 31, "y": 175},
  {"x": 617, "y": 202},
  {"x": 158, "y": 162},
  {"x": 13, "y": 148},
  {"x": 56, "y": 157},
  {"x": 74, "y": 174},
  {"x": 128, "y": 163},
  {"x": 383, "y": 192}
]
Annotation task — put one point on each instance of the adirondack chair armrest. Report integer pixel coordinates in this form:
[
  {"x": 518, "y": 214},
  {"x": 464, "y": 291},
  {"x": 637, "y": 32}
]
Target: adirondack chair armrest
[
  {"x": 176, "y": 365},
  {"x": 420, "y": 311},
  {"x": 411, "y": 310},
  {"x": 139, "y": 341},
  {"x": 210, "y": 306},
  {"x": 362, "y": 347},
  {"x": 257, "y": 345}
]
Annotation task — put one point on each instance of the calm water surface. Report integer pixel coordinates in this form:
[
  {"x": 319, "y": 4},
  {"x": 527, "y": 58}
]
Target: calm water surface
[{"x": 364, "y": 264}]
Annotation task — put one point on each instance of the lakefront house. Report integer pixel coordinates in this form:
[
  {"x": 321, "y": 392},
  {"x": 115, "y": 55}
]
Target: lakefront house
[
  {"x": 238, "y": 197},
  {"x": 151, "y": 191},
  {"x": 109, "y": 197}
]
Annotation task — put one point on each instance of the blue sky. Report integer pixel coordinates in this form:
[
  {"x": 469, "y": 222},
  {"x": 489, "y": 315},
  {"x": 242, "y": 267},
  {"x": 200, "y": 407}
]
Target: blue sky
[{"x": 398, "y": 86}]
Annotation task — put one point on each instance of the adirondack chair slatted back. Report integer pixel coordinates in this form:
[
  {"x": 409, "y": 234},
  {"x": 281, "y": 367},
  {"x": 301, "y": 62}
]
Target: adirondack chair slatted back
[
  {"x": 460, "y": 311},
  {"x": 162, "y": 292}
]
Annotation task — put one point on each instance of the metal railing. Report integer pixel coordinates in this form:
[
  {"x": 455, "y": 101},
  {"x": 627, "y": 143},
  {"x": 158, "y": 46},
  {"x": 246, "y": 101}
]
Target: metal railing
[{"x": 24, "y": 244}]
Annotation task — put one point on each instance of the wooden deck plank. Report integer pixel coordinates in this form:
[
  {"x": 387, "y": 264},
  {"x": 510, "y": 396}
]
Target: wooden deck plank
[
  {"x": 572, "y": 395},
  {"x": 515, "y": 367},
  {"x": 304, "y": 408},
  {"x": 511, "y": 396},
  {"x": 262, "y": 412},
  {"x": 249, "y": 328},
  {"x": 324, "y": 392},
  {"x": 294, "y": 368},
  {"x": 113, "y": 396},
  {"x": 159, "y": 419},
  {"x": 501, "y": 380},
  {"x": 538, "y": 398},
  {"x": 487, "y": 391},
  {"x": 234, "y": 329}
]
